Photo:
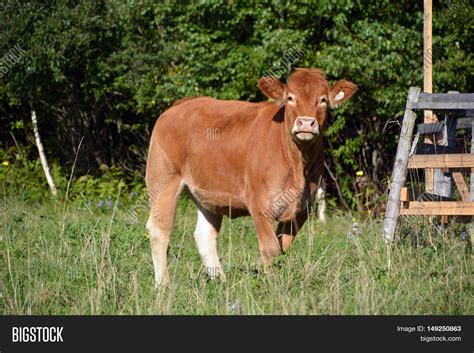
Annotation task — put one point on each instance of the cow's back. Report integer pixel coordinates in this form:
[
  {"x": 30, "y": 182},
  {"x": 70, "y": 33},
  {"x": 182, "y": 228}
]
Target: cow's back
[{"x": 207, "y": 141}]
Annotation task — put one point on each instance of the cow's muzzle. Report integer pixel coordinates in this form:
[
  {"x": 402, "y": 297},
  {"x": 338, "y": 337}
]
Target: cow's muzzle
[{"x": 305, "y": 128}]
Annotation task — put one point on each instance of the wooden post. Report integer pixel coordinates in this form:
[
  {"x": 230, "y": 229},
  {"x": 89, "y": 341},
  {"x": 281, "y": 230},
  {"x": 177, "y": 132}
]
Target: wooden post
[
  {"x": 472, "y": 152},
  {"x": 427, "y": 53},
  {"x": 442, "y": 180},
  {"x": 471, "y": 186},
  {"x": 428, "y": 80},
  {"x": 400, "y": 167}
]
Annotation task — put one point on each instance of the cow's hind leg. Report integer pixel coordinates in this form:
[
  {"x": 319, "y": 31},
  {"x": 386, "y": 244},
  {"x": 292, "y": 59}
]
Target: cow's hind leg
[
  {"x": 163, "y": 199},
  {"x": 207, "y": 228}
]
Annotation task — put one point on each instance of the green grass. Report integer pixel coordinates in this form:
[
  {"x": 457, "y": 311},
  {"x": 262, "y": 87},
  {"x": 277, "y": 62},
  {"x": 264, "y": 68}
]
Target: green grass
[{"x": 62, "y": 257}]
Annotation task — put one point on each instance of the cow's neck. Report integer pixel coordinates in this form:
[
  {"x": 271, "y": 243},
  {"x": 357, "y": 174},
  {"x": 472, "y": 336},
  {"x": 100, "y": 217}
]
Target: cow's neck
[{"x": 299, "y": 159}]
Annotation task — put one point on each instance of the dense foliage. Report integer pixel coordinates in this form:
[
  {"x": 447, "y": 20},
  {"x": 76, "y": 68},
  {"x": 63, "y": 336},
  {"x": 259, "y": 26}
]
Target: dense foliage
[{"x": 104, "y": 70}]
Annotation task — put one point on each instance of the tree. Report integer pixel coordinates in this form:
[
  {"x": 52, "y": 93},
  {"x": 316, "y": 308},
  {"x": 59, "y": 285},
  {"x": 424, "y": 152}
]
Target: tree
[{"x": 104, "y": 71}]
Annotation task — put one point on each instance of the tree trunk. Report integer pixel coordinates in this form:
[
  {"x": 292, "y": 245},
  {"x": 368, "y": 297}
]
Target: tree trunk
[{"x": 44, "y": 161}]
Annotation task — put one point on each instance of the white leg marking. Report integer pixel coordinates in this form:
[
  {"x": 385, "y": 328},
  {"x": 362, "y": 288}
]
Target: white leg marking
[
  {"x": 206, "y": 240},
  {"x": 321, "y": 201}
]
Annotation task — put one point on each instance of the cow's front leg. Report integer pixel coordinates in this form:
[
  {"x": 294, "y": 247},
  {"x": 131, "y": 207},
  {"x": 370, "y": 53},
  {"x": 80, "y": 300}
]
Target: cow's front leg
[
  {"x": 287, "y": 231},
  {"x": 267, "y": 240}
]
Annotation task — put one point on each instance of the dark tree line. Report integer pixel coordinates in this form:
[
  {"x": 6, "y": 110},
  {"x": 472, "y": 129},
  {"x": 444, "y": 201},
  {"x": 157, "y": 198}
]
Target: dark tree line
[{"x": 104, "y": 70}]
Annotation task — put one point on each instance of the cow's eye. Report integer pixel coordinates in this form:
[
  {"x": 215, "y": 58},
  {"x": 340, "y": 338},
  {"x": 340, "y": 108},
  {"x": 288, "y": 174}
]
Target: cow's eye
[
  {"x": 324, "y": 100},
  {"x": 290, "y": 99}
]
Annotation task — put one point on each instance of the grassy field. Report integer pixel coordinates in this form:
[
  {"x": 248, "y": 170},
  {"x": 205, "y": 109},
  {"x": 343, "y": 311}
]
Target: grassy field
[{"x": 71, "y": 258}]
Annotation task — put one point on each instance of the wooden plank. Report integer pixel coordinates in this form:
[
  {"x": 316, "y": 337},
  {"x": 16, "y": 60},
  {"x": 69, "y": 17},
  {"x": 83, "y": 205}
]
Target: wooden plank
[
  {"x": 464, "y": 123},
  {"x": 399, "y": 173},
  {"x": 428, "y": 148},
  {"x": 437, "y": 208},
  {"x": 446, "y": 97},
  {"x": 407, "y": 194},
  {"x": 455, "y": 106},
  {"x": 429, "y": 197},
  {"x": 430, "y": 128},
  {"x": 460, "y": 170},
  {"x": 462, "y": 186},
  {"x": 457, "y": 160},
  {"x": 404, "y": 195}
]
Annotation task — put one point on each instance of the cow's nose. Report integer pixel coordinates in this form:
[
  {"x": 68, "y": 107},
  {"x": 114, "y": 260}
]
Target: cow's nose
[{"x": 307, "y": 124}]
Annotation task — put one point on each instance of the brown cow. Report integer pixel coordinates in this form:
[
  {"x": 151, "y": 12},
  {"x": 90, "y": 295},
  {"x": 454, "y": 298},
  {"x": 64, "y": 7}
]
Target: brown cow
[{"x": 239, "y": 158}]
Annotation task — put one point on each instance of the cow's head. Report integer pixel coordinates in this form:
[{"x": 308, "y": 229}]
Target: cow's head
[{"x": 306, "y": 97}]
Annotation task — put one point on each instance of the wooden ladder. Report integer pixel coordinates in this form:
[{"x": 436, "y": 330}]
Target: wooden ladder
[{"x": 443, "y": 158}]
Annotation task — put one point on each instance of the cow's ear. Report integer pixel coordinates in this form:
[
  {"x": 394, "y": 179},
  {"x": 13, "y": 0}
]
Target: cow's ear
[
  {"x": 342, "y": 91},
  {"x": 272, "y": 88}
]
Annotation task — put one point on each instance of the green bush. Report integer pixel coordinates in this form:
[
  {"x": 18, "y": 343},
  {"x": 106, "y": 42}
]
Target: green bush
[{"x": 24, "y": 179}]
